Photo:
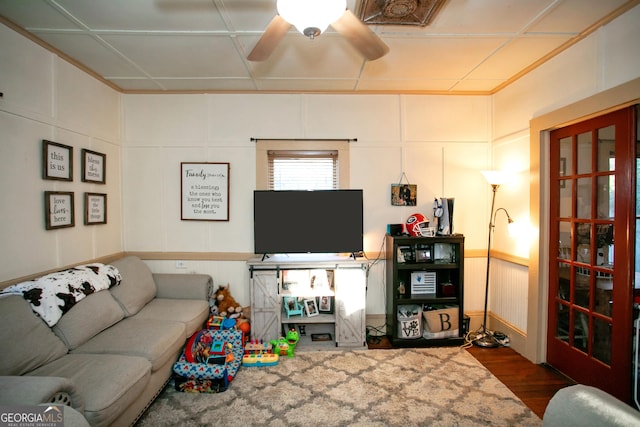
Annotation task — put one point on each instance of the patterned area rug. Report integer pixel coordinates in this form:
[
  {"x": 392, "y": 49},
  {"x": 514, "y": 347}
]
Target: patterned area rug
[{"x": 399, "y": 387}]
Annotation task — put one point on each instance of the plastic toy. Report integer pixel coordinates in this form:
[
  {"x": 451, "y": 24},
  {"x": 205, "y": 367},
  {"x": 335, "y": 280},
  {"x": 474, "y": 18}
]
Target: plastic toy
[
  {"x": 286, "y": 345},
  {"x": 258, "y": 360},
  {"x": 214, "y": 322}
]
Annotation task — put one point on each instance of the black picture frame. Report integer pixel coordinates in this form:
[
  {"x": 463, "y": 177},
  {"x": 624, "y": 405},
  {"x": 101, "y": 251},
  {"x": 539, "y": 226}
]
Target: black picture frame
[
  {"x": 95, "y": 208},
  {"x": 57, "y": 161},
  {"x": 204, "y": 191},
  {"x": 94, "y": 167},
  {"x": 59, "y": 211}
]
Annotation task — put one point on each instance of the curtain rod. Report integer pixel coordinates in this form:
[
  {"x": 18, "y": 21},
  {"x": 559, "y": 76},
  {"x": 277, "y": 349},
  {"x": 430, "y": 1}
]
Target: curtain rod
[{"x": 305, "y": 139}]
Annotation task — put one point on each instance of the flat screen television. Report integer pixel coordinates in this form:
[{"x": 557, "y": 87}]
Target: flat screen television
[{"x": 296, "y": 221}]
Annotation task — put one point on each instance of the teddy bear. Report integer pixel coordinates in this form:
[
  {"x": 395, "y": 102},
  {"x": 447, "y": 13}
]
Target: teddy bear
[{"x": 224, "y": 304}]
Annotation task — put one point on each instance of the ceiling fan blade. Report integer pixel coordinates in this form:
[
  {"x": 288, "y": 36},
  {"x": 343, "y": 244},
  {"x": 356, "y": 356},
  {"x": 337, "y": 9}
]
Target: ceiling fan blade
[
  {"x": 272, "y": 35},
  {"x": 360, "y": 36}
]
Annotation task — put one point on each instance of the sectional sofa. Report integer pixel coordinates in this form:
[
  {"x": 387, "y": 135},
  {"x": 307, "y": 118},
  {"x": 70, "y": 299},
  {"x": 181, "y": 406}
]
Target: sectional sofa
[{"x": 110, "y": 354}]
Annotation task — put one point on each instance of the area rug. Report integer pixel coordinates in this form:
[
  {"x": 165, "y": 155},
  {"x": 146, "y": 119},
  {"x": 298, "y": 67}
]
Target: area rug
[{"x": 399, "y": 387}]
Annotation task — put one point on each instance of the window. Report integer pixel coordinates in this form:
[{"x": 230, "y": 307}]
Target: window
[
  {"x": 303, "y": 170},
  {"x": 302, "y": 164}
]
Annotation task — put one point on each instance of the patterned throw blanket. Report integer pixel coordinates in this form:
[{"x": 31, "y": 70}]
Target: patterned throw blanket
[{"x": 53, "y": 295}]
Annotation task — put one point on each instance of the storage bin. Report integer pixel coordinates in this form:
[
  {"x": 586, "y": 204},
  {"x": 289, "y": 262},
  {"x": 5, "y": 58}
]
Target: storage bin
[{"x": 409, "y": 321}]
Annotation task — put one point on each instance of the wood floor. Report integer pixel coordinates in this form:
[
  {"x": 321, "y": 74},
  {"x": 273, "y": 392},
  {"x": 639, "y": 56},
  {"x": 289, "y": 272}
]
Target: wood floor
[{"x": 534, "y": 384}]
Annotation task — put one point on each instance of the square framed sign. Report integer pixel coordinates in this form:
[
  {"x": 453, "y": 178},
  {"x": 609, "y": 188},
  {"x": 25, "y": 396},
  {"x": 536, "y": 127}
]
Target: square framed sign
[
  {"x": 94, "y": 167},
  {"x": 57, "y": 161},
  {"x": 58, "y": 209},
  {"x": 95, "y": 208}
]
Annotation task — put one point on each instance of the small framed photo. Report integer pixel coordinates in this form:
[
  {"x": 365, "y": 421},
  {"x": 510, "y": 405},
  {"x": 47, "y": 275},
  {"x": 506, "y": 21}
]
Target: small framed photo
[
  {"x": 57, "y": 161},
  {"x": 93, "y": 167},
  {"x": 325, "y": 304},
  {"x": 310, "y": 307},
  {"x": 404, "y": 194},
  {"x": 95, "y": 208},
  {"x": 58, "y": 209}
]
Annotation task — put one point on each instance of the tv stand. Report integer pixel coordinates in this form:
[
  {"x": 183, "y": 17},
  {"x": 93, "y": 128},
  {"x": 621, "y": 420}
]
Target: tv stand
[{"x": 337, "y": 284}]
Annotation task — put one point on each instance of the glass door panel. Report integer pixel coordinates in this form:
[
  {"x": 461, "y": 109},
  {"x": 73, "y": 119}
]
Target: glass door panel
[{"x": 590, "y": 305}]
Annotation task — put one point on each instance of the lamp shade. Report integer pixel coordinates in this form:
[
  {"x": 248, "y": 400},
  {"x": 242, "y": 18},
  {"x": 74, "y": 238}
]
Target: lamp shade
[
  {"x": 495, "y": 177},
  {"x": 311, "y": 14}
]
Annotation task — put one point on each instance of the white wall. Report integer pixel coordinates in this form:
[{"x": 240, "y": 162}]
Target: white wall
[
  {"x": 440, "y": 143},
  {"x": 47, "y": 98}
]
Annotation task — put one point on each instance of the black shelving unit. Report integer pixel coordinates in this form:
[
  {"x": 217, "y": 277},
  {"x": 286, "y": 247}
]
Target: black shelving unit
[{"x": 439, "y": 261}]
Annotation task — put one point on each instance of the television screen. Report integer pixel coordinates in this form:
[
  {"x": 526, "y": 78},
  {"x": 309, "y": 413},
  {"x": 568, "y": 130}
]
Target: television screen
[{"x": 321, "y": 221}]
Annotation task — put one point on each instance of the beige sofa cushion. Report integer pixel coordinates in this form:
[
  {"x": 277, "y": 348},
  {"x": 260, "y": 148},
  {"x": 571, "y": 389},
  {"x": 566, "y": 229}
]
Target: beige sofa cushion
[
  {"x": 89, "y": 317},
  {"x": 137, "y": 287},
  {"x": 192, "y": 313},
  {"x": 155, "y": 340},
  {"x": 108, "y": 383},
  {"x": 27, "y": 342}
]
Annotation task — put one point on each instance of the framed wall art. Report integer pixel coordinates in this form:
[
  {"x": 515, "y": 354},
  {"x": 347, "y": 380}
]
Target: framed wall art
[
  {"x": 58, "y": 209},
  {"x": 57, "y": 161},
  {"x": 204, "y": 191},
  {"x": 95, "y": 208},
  {"x": 94, "y": 167},
  {"x": 404, "y": 194}
]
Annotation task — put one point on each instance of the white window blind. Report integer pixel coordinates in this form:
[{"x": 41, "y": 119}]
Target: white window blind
[{"x": 303, "y": 170}]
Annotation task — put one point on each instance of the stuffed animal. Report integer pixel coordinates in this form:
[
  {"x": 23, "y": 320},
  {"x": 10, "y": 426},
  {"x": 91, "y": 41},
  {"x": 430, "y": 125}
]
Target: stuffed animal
[{"x": 224, "y": 304}]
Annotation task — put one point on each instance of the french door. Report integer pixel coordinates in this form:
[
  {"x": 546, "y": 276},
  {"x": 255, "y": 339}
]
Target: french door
[{"x": 592, "y": 237}]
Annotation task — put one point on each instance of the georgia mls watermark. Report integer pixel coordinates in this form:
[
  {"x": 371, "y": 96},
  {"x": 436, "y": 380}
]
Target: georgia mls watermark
[{"x": 31, "y": 416}]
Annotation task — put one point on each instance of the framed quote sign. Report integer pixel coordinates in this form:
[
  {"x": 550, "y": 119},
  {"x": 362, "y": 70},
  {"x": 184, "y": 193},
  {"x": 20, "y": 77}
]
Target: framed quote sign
[
  {"x": 58, "y": 209},
  {"x": 204, "y": 191},
  {"x": 95, "y": 208},
  {"x": 94, "y": 167},
  {"x": 57, "y": 161}
]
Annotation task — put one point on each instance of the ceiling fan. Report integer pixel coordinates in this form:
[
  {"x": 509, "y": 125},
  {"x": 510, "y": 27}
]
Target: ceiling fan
[{"x": 311, "y": 18}]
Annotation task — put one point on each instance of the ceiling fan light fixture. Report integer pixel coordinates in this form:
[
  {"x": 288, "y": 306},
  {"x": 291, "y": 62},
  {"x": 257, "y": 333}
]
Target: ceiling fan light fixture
[{"x": 311, "y": 17}]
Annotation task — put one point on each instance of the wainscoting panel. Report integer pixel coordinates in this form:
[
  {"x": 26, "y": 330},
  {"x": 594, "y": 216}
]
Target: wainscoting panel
[{"x": 508, "y": 296}]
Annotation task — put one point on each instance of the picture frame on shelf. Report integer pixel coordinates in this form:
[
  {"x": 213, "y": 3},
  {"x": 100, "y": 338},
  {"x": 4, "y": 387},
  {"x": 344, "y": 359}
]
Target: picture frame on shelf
[
  {"x": 310, "y": 307},
  {"x": 59, "y": 209},
  {"x": 94, "y": 167},
  {"x": 95, "y": 208},
  {"x": 325, "y": 304},
  {"x": 291, "y": 306},
  {"x": 57, "y": 161}
]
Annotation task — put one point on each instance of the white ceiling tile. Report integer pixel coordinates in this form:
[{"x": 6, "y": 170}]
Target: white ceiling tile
[
  {"x": 96, "y": 56},
  {"x": 434, "y": 58},
  {"x": 29, "y": 14},
  {"x": 406, "y": 85},
  {"x": 573, "y": 16},
  {"x": 161, "y": 15},
  {"x": 180, "y": 55},
  {"x": 486, "y": 16},
  {"x": 213, "y": 85},
  {"x": 327, "y": 57},
  {"x": 515, "y": 56}
]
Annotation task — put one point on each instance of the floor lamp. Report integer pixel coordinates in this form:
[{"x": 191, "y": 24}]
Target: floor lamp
[{"x": 485, "y": 337}]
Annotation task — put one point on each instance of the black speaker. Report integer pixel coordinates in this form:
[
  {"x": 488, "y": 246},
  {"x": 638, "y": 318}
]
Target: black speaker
[{"x": 395, "y": 229}]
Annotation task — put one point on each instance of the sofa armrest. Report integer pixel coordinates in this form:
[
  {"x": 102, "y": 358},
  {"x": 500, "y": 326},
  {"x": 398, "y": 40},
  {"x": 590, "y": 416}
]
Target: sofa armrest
[
  {"x": 34, "y": 390},
  {"x": 183, "y": 286},
  {"x": 584, "y": 406}
]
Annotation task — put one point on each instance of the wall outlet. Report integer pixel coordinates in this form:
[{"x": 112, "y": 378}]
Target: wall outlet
[{"x": 181, "y": 264}]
